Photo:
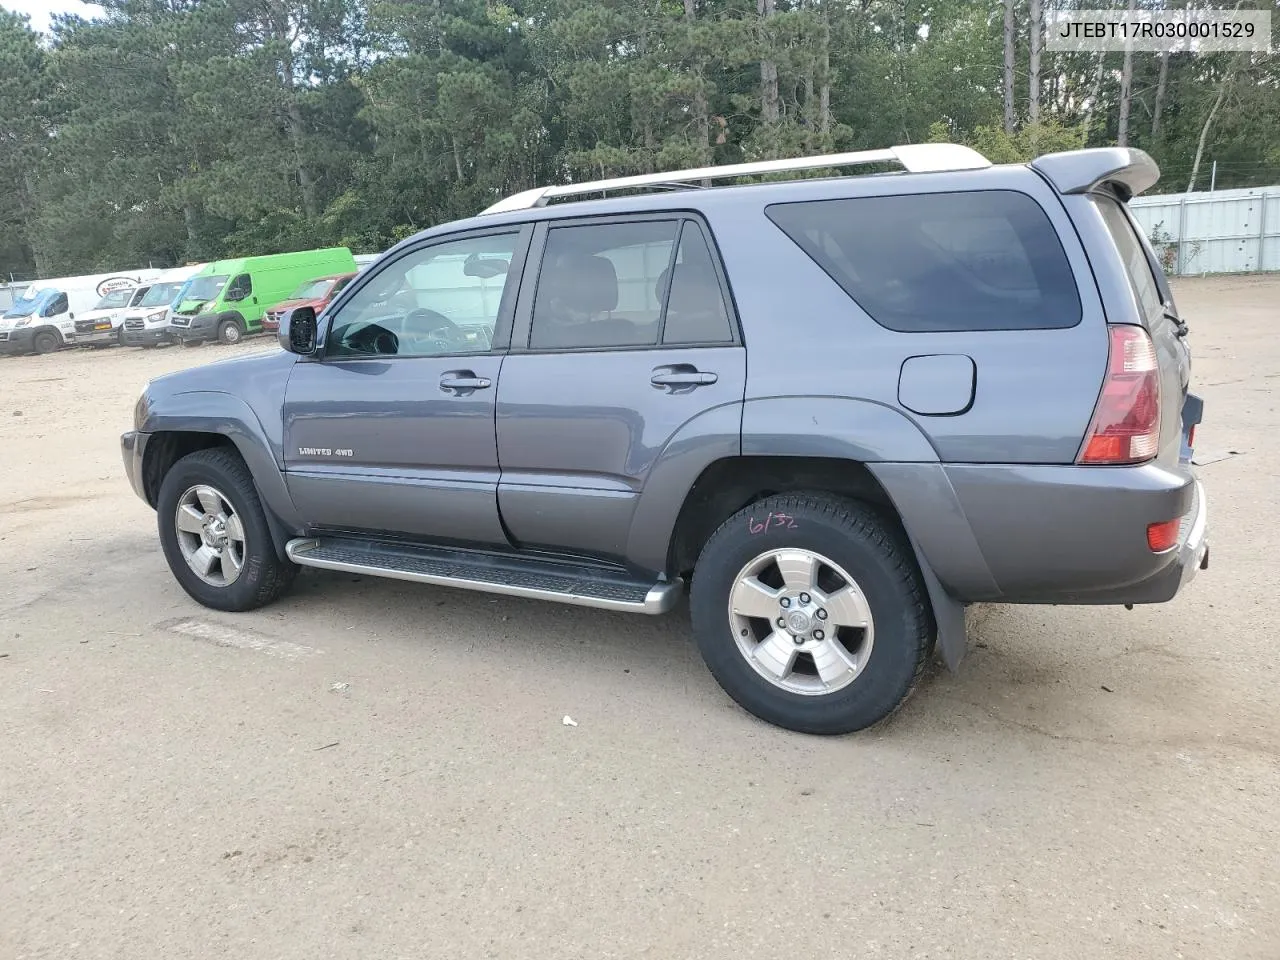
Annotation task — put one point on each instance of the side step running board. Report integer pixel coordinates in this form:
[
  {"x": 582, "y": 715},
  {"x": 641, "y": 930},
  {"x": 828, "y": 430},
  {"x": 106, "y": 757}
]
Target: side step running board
[{"x": 490, "y": 573}]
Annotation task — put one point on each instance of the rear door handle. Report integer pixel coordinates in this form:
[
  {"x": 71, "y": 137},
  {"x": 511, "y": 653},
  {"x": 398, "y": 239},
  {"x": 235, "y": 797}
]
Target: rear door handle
[
  {"x": 464, "y": 381},
  {"x": 681, "y": 376}
]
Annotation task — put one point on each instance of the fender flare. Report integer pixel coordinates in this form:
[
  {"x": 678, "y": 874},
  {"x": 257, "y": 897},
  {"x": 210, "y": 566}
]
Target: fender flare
[
  {"x": 215, "y": 412},
  {"x": 233, "y": 315}
]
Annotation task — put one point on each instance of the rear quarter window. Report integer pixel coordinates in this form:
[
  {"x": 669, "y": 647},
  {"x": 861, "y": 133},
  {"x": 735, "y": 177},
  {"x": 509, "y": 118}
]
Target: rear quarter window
[
  {"x": 1136, "y": 263},
  {"x": 977, "y": 260}
]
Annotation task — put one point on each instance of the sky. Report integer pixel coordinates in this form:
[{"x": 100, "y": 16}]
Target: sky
[{"x": 41, "y": 10}]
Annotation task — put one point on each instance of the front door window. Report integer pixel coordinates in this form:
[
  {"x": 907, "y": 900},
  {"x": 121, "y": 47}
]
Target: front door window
[{"x": 439, "y": 301}]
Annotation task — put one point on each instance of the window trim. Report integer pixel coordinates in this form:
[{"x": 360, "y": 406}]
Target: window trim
[
  {"x": 523, "y": 328},
  {"x": 1080, "y": 290},
  {"x": 500, "y": 341}
]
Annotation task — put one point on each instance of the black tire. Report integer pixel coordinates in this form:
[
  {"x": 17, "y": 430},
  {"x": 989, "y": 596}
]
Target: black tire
[
  {"x": 874, "y": 553},
  {"x": 264, "y": 575},
  {"x": 46, "y": 341},
  {"x": 187, "y": 344},
  {"x": 229, "y": 332}
]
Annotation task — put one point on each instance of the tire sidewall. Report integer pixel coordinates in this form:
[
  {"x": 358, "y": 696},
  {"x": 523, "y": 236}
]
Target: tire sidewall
[
  {"x": 44, "y": 338},
  {"x": 896, "y": 612},
  {"x": 259, "y": 549},
  {"x": 229, "y": 332}
]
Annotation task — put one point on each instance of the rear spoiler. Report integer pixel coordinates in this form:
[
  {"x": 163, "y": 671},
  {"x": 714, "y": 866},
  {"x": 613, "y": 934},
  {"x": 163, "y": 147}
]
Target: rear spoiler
[{"x": 1079, "y": 171}]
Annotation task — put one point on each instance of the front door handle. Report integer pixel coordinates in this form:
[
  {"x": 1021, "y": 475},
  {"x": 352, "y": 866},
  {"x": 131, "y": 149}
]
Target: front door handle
[
  {"x": 464, "y": 381},
  {"x": 681, "y": 375}
]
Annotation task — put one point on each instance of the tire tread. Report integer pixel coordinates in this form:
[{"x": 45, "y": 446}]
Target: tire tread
[
  {"x": 866, "y": 522},
  {"x": 276, "y": 575}
]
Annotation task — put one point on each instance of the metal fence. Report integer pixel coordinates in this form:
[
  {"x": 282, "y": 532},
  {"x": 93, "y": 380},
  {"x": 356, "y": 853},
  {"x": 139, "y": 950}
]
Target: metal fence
[{"x": 1223, "y": 231}]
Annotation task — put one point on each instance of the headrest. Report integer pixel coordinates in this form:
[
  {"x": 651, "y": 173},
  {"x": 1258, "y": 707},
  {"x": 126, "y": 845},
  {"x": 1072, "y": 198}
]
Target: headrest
[{"x": 586, "y": 284}]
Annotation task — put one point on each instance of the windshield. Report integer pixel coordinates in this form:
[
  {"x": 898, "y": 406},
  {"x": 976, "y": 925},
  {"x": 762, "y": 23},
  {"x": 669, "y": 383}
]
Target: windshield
[
  {"x": 116, "y": 298},
  {"x": 31, "y": 301},
  {"x": 161, "y": 294},
  {"x": 204, "y": 288},
  {"x": 312, "y": 290}
]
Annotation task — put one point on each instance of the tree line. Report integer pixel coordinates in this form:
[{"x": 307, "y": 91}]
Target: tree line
[{"x": 174, "y": 131}]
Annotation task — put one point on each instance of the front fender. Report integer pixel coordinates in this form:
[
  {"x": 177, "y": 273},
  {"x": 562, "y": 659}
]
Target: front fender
[{"x": 209, "y": 411}]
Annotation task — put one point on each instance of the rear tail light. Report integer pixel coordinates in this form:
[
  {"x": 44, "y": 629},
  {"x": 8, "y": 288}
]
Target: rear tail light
[
  {"x": 1126, "y": 423},
  {"x": 1163, "y": 536}
]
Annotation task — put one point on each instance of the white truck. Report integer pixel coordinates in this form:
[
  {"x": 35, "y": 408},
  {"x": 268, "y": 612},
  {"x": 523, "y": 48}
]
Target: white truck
[
  {"x": 146, "y": 322},
  {"x": 104, "y": 324},
  {"x": 43, "y": 318}
]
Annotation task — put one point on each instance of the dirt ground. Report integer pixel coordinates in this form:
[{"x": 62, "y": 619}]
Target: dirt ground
[{"x": 379, "y": 770}]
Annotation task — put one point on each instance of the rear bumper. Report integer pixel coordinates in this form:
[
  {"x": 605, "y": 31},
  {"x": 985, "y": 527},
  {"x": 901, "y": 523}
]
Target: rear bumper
[
  {"x": 1051, "y": 534},
  {"x": 1077, "y": 534}
]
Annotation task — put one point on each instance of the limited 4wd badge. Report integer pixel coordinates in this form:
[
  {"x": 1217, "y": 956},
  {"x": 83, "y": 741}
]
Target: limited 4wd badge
[{"x": 324, "y": 452}]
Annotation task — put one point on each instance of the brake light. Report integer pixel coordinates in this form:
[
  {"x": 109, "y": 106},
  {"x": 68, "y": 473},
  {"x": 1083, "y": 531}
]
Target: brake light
[
  {"x": 1126, "y": 423},
  {"x": 1163, "y": 536}
]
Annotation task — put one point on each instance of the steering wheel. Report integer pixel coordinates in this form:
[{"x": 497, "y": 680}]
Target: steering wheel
[{"x": 431, "y": 321}]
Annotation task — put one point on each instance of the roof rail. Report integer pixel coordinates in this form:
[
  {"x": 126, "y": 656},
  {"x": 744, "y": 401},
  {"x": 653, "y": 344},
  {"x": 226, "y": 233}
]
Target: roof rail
[{"x": 914, "y": 158}]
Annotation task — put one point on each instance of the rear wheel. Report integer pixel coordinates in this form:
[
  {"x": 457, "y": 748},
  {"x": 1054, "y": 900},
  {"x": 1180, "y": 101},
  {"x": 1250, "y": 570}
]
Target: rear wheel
[
  {"x": 809, "y": 611},
  {"x": 229, "y": 332},
  {"x": 214, "y": 533},
  {"x": 46, "y": 341}
]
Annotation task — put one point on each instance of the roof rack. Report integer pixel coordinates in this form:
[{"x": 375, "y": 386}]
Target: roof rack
[{"x": 914, "y": 158}]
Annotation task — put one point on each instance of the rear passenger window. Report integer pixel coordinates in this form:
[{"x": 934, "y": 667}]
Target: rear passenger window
[
  {"x": 987, "y": 260},
  {"x": 696, "y": 311},
  {"x": 1141, "y": 277},
  {"x": 602, "y": 285}
]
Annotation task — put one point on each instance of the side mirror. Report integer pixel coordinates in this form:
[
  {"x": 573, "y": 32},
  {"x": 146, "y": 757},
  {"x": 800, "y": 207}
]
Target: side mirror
[{"x": 297, "y": 332}]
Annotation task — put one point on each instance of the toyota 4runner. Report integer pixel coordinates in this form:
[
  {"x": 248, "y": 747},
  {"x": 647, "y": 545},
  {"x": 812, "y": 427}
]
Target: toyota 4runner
[{"x": 838, "y": 409}]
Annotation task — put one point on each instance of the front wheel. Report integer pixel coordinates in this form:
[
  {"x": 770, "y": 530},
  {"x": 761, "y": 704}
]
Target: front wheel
[
  {"x": 809, "y": 611},
  {"x": 46, "y": 341},
  {"x": 229, "y": 332},
  {"x": 214, "y": 533}
]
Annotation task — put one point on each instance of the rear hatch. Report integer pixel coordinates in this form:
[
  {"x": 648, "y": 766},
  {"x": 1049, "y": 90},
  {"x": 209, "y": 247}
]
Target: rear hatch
[{"x": 1179, "y": 411}]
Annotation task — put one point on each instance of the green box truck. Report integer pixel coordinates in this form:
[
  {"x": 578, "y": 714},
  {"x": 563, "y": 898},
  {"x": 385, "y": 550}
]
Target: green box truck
[{"x": 226, "y": 300}]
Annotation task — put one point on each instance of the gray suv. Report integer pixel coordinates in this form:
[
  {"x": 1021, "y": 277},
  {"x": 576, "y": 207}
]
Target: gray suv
[{"x": 838, "y": 409}]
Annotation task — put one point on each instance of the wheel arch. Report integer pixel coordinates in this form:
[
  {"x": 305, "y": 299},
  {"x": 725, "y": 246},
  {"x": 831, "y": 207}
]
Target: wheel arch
[
  {"x": 731, "y": 483},
  {"x": 230, "y": 316},
  {"x": 50, "y": 330},
  {"x": 184, "y": 423}
]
